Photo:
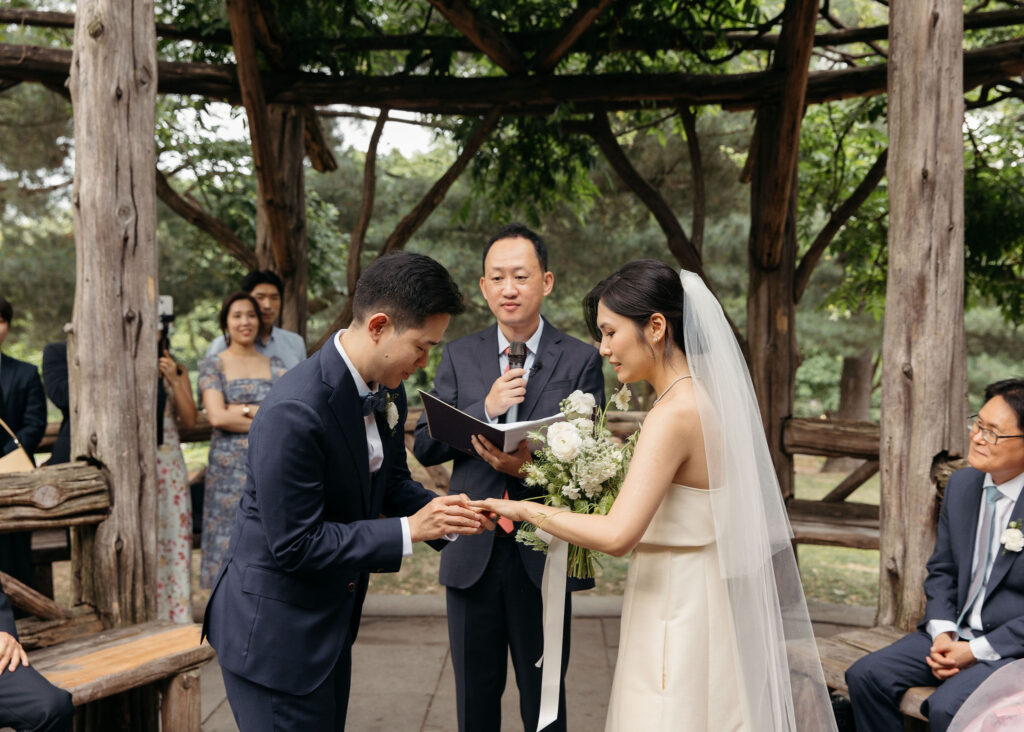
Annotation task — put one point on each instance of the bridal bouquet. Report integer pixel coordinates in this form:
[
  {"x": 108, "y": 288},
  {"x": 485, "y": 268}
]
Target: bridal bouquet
[{"x": 579, "y": 467}]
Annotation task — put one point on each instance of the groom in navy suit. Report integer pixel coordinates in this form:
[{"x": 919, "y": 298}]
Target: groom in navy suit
[
  {"x": 493, "y": 595},
  {"x": 326, "y": 460},
  {"x": 974, "y": 617}
]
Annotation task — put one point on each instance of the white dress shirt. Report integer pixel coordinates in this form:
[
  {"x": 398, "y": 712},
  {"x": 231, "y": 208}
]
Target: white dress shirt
[
  {"x": 532, "y": 344},
  {"x": 1009, "y": 494},
  {"x": 374, "y": 445}
]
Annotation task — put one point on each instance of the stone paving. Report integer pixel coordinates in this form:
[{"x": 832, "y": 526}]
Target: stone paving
[{"x": 402, "y": 677}]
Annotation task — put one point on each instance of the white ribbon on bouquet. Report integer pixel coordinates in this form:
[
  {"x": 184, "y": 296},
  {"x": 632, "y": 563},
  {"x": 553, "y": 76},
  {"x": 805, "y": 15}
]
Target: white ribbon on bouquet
[{"x": 552, "y": 588}]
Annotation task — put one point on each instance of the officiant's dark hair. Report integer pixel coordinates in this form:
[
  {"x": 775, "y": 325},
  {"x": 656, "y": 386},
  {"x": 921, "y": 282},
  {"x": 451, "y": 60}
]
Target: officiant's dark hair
[
  {"x": 637, "y": 291},
  {"x": 409, "y": 288},
  {"x": 1012, "y": 392},
  {"x": 516, "y": 230}
]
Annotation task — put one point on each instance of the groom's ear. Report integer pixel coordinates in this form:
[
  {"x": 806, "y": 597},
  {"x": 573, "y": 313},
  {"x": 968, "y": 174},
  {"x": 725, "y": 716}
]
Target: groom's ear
[{"x": 376, "y": 324}]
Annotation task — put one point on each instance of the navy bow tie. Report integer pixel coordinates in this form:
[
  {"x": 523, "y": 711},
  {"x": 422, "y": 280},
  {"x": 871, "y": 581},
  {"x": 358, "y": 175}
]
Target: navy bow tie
[{"x": 375, "y": 402}]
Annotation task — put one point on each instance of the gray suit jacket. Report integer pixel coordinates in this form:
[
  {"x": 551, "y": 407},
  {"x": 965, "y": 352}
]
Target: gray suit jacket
[{"x": 467, "y": 370}]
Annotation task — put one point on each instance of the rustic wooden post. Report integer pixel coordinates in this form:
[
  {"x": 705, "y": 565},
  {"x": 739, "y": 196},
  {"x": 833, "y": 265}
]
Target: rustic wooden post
[
  {"x": 771, "y": 301},
  {"x": 924, "y": 382},
  {"x": 286, "y": 129},
  {"x": 113, "y": 337}
]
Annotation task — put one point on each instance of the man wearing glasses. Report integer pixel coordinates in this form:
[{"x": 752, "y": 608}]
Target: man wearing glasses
[{"x": 974, "y": 616}]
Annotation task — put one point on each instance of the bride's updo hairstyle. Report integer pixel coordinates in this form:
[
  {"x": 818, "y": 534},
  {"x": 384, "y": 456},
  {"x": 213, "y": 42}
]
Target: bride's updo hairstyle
[{"x": 637, "y": 291}]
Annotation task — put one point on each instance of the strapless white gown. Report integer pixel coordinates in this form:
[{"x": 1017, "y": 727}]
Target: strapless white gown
[{"x": 677, "y": 666}]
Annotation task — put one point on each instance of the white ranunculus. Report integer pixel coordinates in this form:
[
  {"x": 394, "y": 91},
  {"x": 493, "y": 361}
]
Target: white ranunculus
[
  {"x": 564, "y": 441},
  {"x": 392, "y": 414},
  {"x": 1013, "y": 540},
  {"x": 579, "y": 404}
]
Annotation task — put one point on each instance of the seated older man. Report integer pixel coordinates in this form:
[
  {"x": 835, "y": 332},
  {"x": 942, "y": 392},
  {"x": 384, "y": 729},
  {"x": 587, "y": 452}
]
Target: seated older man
[{"x": 974, "y": 617}]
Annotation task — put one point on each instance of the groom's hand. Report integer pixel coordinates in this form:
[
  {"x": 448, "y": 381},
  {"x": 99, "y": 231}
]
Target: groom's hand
[
  {"x": 507, "y": 390},
  {"x": 446, "y": 515}
]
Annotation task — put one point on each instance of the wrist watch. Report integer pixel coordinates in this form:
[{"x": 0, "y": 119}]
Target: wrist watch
[{"x": 246, "y": 411}]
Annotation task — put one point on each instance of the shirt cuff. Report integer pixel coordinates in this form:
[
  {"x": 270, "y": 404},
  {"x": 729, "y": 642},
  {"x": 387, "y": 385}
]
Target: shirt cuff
[
  {"x": 406, "y": 536},
  {"x": 937, "y": 627},
  {"x": 983, "y": 650}
]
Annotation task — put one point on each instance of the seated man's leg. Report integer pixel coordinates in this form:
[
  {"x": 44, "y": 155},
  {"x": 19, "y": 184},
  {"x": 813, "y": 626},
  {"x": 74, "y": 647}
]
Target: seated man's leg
[
  {"x": 29, "y": 702},
  {"x": 943, "y": 704},
  {"x": 878, "y": 680}
]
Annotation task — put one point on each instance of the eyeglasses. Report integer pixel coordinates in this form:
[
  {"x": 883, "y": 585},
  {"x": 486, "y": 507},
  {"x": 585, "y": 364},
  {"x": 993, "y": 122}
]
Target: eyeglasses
[{"x": 973, "y": 425}]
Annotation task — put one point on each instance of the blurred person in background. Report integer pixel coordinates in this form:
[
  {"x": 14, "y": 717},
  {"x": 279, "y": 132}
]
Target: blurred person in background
[{"x": 232, "y": 384}]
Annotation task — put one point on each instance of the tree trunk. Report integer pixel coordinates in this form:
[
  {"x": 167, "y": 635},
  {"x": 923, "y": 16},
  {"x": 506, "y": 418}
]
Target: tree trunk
[
  {"x": 854, "y": 402},
  {"x": 286, "y": 128},
  {"x": 924, "y": 382},
  {"x": 114, "y": 336}
]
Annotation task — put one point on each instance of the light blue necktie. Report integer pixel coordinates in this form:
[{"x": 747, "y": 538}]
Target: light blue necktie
[{"x": 988, "y": 526}]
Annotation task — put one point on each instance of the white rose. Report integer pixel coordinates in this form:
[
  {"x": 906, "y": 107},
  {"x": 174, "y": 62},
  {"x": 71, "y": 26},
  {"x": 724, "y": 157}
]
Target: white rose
[
  {"x": 579, "y": 403},
  {"x": 392, "y": 414},
  {"x": 564, "y": 441},
  {"x": 1013, "y": 540}
]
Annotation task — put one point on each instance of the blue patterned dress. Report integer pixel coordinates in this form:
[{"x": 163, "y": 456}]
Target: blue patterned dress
[{"x": 225, "y": 470}]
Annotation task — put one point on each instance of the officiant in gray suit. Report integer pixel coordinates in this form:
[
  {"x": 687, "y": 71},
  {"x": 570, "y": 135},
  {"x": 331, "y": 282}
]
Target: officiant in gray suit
[{"x": 493, "y": 583}]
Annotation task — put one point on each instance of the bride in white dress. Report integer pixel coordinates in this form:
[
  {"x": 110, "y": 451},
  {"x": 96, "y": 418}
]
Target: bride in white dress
[{"x": 715, "y": 634}]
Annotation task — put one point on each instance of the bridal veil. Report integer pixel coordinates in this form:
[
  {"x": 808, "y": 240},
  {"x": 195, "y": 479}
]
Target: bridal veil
[{"x": 783, "y": 687}]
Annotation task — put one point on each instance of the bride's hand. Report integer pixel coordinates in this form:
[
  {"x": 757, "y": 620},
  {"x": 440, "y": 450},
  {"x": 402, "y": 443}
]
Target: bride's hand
[{"x": 514, "y": 510}]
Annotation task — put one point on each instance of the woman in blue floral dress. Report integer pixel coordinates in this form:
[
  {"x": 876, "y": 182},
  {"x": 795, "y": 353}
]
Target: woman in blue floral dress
[{"x": 232, "y": 384}]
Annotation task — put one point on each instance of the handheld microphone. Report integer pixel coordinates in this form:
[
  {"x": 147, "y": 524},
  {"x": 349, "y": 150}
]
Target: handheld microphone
[{"x": 516, "y": 355}]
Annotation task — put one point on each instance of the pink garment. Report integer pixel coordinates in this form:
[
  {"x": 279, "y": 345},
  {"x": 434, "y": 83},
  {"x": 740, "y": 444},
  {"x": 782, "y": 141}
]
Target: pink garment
[{"x": 995, "y": 706}]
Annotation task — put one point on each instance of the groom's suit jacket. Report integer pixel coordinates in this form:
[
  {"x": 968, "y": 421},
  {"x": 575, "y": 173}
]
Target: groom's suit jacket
[
  {"x": 290, "y": 593},
  {"x": 949, "y": 568},
  {"x": 467, "y": 370}
]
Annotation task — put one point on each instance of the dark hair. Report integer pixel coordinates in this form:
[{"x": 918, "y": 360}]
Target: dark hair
[
  {"x": 408, "y": 287},
  {"x": 6, "y": 311},
  {"x": 637, "y": 291},
  {"x": 262, "y": 277},
  {"x": 1012, "y": 392},
  {"x": 519, "y": 231},
  {"x": 226, "y": 307}
]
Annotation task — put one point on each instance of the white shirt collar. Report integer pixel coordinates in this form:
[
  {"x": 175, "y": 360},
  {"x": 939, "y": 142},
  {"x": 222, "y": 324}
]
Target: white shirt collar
[
  {"x": 361, "y": 386},
  {"x": 532, "y": 343},
  {"x": 1011, "y": 488}
]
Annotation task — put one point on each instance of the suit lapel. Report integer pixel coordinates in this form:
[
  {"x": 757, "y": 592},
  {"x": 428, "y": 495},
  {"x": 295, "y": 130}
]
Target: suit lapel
[
  {"x": 487, "y": 357},
  {"x": 968, "y": 536},
  {"x": 548, "y": 354},
  {"x": 1005, "y": 558},
  {"x": 348, "y": 410}
]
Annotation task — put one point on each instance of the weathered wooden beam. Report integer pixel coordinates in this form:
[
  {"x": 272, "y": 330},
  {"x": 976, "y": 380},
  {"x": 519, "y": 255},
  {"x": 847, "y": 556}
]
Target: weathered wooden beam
[
  {"x": 852, "y": 482},
  {"x": 587, "y": 11},
  {"x": 59, "y": 495},
  {"x": 483, "y": 34},
  {"x": 520, "y": 95},
  {"x": 533, "y": 42},
  {"x": 80, "y": 620},
  {"x": 35, "y": 603},
  {"x": 831, "y": 438},
  {"x": 856, "y": 514}
]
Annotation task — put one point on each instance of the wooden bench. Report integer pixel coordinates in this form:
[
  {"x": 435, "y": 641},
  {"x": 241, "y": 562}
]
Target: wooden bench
[
  {"x": 839, "y": 652},
  {"x": 100, "y": 665}
]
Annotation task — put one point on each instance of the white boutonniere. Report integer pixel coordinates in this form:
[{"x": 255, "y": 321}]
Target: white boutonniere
[
  {"x": 392, "y": 413},
  {"x": 1013, "y": 538}
]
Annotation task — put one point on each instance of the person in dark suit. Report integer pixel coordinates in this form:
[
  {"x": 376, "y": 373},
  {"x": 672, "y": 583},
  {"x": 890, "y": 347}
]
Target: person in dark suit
[
  {"x": 23, "y": 408},
  {"x": 55, "y": 382},
  {"x": 326, "y": 459},
  {"x": 974, "y": 616},
  {"x": 27, "y": 700},
  {"x": 493, "y": 583}
]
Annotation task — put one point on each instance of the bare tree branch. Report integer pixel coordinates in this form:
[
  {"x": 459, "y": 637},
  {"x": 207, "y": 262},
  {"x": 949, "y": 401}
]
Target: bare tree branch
[
  {"x": 835, "y": 222},
  {"x": 355, "y": 245},
  {"x": 192, "y": 212},
  {"x": 697, "y": 171}
]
